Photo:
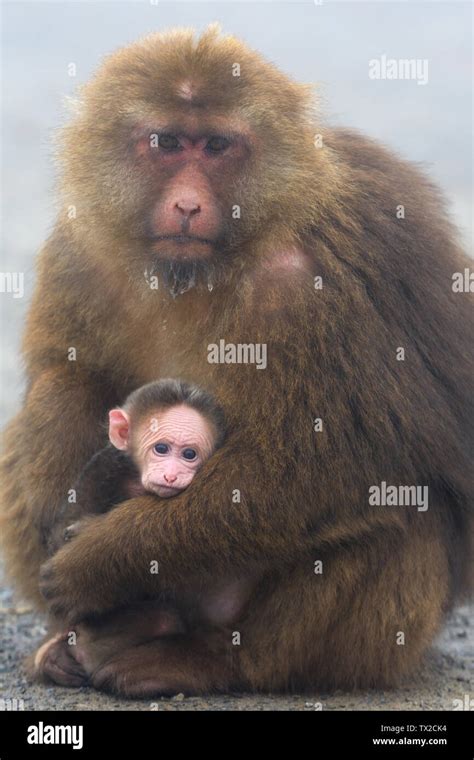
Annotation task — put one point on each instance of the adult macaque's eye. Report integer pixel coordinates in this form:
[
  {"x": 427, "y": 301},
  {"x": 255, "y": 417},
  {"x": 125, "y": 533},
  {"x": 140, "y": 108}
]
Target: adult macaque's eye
[
  {"x": 189, "y": 454},
  {"x": 168, "y": 142},
  {"x": 161, "y": 448},
  {"x": 217, "y": 144}
]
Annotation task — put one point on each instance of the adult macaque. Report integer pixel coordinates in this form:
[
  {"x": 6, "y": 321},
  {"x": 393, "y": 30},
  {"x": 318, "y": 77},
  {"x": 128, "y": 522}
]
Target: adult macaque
[{"x": 207, "y": 176}]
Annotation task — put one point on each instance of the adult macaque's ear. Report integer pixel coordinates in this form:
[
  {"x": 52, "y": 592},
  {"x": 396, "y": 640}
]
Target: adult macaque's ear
[{"x": 119, "y": 429}]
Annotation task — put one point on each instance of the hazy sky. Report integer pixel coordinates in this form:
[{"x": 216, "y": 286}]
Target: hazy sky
[{"x": 330, "y": 43}]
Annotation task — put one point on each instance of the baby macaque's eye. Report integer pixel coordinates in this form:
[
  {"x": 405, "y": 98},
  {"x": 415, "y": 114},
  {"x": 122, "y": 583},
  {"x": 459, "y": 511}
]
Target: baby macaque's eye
[
  {"x": 161, "y": 448},
  {"x": 189, "y": 454}
]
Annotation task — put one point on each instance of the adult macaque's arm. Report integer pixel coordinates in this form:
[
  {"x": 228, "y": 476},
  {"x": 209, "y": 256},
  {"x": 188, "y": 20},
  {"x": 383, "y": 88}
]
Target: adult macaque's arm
[
  {"x": 203, "y": 533},
  {"x": 46, "y": 446},
  {"x": 59, "y": 426}
]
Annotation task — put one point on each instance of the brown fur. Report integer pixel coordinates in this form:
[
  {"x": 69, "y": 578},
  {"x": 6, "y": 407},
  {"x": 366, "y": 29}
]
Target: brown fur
[{"x": 331, "y": 354}]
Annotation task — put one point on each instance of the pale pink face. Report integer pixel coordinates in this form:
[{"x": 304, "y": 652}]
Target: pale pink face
[{"x": 169, "y": 447}]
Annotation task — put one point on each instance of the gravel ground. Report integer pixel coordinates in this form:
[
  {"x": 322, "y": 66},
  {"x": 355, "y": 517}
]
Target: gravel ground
[{"x": 446, "y": 677}]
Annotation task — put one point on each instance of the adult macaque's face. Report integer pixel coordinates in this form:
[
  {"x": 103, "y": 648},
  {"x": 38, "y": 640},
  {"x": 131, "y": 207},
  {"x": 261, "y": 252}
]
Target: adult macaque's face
[
  {"x": 168, "y": 447},
  {"x": 190, "y": 169}
]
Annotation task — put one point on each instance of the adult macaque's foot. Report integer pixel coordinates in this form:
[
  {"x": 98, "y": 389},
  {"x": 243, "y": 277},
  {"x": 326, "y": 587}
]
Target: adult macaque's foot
[
  {"x": 54, "y": 661},
  {"x": 102, "y": 640}
]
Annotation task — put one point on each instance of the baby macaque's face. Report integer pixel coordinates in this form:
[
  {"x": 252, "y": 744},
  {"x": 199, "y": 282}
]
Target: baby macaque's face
[{"x": 168, "y": 446}]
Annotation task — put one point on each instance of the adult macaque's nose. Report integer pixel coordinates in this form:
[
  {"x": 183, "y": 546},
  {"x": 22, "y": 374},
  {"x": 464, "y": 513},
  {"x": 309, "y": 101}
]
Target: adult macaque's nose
[
  {"x": 188, "y": 207},
  {"x": 169, "y": 477}
]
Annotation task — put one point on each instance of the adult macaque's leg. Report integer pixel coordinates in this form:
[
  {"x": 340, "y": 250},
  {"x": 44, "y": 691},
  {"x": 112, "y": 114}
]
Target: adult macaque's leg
[
  {"x": 292, "y": 632},
  {"x": 193, "y": 664}
]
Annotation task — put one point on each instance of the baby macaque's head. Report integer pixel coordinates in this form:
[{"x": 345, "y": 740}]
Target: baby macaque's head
[{"x": 169, "y": 428}]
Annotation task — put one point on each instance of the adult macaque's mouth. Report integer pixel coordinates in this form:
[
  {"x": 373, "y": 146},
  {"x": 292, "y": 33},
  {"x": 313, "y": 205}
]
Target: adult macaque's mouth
[
  {"x": 184, "y": 239},
  {"x": 180, "y": 248}
]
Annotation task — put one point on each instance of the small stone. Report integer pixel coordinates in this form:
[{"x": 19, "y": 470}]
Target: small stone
[{"x": 178, "y": 698}]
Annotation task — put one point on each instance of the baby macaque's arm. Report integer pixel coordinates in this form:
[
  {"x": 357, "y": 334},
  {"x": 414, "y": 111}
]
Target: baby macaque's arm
[{"x": 108, "y": 478}]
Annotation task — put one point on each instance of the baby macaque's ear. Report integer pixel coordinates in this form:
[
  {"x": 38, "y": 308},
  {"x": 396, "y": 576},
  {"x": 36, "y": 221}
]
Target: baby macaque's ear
[{"x": 119, "y": 429}]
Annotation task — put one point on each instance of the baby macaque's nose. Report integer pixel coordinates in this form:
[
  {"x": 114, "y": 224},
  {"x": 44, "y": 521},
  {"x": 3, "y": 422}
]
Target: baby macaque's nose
[{"x": 169, "y": 478}]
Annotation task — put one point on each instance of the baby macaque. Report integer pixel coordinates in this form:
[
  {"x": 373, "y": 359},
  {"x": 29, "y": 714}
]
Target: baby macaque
[
  {"x": 159, "y": 439},
  {"x": 161, "y": 436}
]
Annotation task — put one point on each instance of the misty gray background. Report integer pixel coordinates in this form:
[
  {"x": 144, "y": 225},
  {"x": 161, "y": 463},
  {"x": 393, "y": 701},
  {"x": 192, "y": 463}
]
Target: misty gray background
[{"x": 330, "y": 44}]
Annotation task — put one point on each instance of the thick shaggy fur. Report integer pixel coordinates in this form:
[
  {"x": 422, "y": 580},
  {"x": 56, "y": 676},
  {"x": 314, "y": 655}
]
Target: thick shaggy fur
[{"x": 331, "y": 355}]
